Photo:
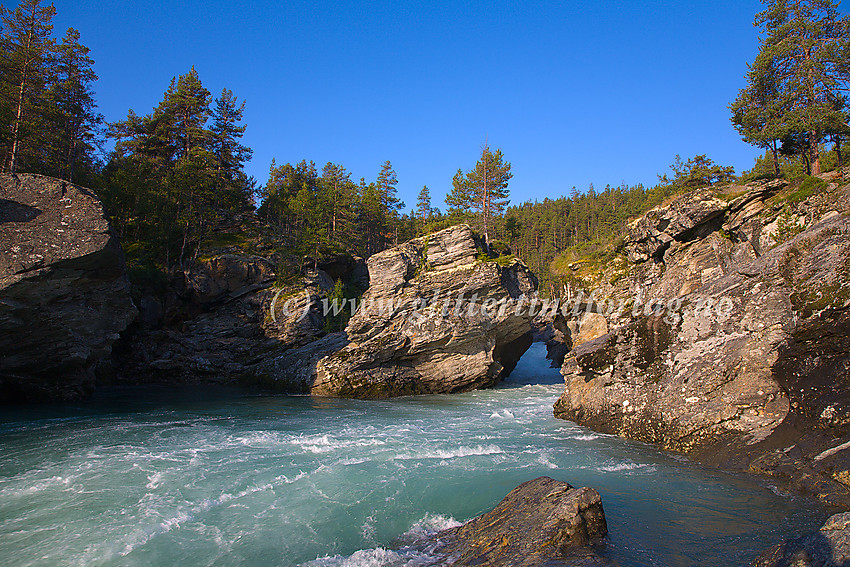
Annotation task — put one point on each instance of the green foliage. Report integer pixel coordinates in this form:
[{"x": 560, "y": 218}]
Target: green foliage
[
  {"x": 424, "y": 264},
  {"x": 795, "y": 86},
  {"x": 808, "y": 187},
  {"x": 173, "y": 175},
  {"x": 551, "y": 234},
  {"x": 48, "y": 121},
  {"x": 315, "y": 215},
  {"x": 500, "y": 248},
  {"x": 699, "y": 171},
  {"x": 423, "y": 204},
  {"x": 334, "y": 322},
  {"x": 787, "y": 226},
  {"x": 148, "y": 277},
  {"x": 341, "y": 296},
  {"x": 483, "y": 189}
]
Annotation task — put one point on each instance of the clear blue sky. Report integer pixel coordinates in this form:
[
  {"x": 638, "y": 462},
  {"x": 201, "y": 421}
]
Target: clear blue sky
[{"x": 572, "y": 92}]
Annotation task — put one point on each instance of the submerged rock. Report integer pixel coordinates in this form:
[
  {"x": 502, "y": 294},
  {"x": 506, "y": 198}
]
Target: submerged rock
[
  {"x": 435, "y": 319},
  {"x": 64, "y": 294},
  {"x": 540, "y": 522},
  {"x": 827, "y": 547}
]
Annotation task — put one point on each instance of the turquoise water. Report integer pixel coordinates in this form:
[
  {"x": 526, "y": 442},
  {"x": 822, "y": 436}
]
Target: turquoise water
[{"x": 135, "y": 477}]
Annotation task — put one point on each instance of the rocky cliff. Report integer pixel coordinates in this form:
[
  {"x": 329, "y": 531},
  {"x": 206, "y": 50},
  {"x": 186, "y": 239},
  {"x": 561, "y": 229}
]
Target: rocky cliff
[
  {"x": 215, "y": 324},
  {"x": 228, "y": 320},
  {"x": 437, "y": 318},
  {"x": 734, "y": 341},
  {"x": 64, "y": 295}
]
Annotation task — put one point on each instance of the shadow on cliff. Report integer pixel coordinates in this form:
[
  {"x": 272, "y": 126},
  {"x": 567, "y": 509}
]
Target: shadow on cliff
[
  {"x": 12, "y": 211},
  {"x": 807, "y": 551}
]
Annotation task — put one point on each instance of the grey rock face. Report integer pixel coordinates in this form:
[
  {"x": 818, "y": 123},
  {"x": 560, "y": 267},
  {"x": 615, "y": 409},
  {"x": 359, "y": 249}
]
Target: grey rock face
[
  {"x": 64, "y": 295},
  {"x": 751, "y": 370},
  {"x": 653, "y": 233},
  {"x": 412, "y": 335},
  {"x": 541, "y": 522},
  {"x": 227, "y": 333}
]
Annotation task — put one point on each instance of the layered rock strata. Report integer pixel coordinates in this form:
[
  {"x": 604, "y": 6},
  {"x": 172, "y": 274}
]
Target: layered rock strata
[
  {"x": 740, "y": 356},
  {"x": 437, "y": 318},
  {"x": 540, "y": 522}
]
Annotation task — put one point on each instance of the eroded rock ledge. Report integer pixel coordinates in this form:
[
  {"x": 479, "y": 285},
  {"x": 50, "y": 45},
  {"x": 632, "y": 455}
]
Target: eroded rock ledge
[
  {"x": 64, "y": 295},
  {"x": 412, "y": 335}
]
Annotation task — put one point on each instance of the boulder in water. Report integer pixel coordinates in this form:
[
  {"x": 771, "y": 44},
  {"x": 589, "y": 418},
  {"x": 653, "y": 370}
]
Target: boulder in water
[
  {"x": 827, "y": 547},
  {"x": 540, "y": 522}
]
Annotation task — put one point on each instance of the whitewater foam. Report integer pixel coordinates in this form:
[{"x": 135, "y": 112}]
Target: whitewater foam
[
  {"x": 477, "y": 451},
  {"x": 378, "y": 557},
  {"x": 620, "y": 467}
]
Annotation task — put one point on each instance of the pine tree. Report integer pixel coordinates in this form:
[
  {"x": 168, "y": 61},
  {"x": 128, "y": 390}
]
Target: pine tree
[
  {"x": 483, "y": 189},
  {"x": 78, "y": 123},
  {"x": 170, "y": 175},
  {"x": 339, "y": 193},
  {"x": 423, "y": 204},
  {"x": 513, "y": 229},
  {"x": 390, "y": 203},
  {"x": 189, "y": 104},
  {"x": 230, "y": 155},
  {"x": 757, "y": 112},
  {"x": 803, "y": 47},
  {"x": 460, "y": 199},
  {"x": 26, "y": 74}
]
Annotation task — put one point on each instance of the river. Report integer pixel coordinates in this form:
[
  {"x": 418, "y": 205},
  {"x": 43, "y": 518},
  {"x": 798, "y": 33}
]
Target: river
[{"x": 173, "y": 477}]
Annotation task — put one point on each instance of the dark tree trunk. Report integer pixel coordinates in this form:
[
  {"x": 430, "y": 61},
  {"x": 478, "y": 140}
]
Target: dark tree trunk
[{"x": 775, "y": 150}]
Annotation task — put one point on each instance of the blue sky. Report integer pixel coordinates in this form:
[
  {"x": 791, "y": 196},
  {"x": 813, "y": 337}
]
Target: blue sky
[{"x": 572, "y": 92}]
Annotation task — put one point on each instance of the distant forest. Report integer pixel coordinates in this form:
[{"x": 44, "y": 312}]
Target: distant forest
[{"x": 174, "y": 184}]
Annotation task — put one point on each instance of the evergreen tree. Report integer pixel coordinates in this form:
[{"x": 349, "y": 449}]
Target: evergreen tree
[
  {"x": 170, "y": 175},
  {"x": 26, "y": 76},
  {"x": 484, "y": 189},
  {"x": 698, "y": 171},
  {"x": 757, "y": 113},
  {"x": 423, "y": 204},
  {"x": 230, "y": 155},
  {"x": 513, "y": 229},
  {"x": 188, "y": 104},
  {"x": 802, "y": 51},
  {"x": 78, "y": 123},
  {"x": 390, "y": 203},
  {"x": 340, "y": 194}
]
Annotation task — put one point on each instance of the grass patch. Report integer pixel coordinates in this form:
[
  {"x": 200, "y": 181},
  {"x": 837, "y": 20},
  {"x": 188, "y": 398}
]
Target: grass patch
[{"x": 808, "y": 186}]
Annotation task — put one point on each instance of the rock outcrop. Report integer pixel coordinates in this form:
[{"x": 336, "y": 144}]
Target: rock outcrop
[
  {"x": 216, "y": 324},
  {"x": 229, "y": 321},
  {"x": 64, "y": 294},
  {"x": 435, "y": 319},
  {"x": 730, "y": 350},
  {"x": 827, "y": 547},
  {"x": 541, "y": 522}
]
